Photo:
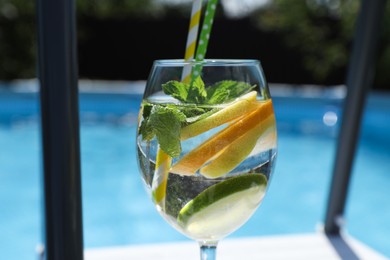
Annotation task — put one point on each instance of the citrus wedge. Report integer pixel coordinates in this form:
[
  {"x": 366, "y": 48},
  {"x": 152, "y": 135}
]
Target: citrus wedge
[
  {"x": 239, "y": 107},
  {"x": 223, "y": 207},
  {"x": 267, "y": 140},
  {"x": 237, "y": 151},
  {"x": 197, "y": 157}
]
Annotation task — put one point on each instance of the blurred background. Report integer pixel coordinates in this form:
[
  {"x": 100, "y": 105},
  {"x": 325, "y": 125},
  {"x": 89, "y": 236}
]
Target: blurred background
[
  {"x": 298, "y": 42},
  {"x": 301, "y": 42}
]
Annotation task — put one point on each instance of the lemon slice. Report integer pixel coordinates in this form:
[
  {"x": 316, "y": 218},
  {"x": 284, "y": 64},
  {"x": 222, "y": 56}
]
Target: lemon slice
[
  {"x": 241, "y": 106},
  {"x": 223, "y": 207}
]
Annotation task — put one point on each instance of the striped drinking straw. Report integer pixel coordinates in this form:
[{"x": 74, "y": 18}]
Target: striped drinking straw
[
  {"x": 160, "y": 178},
  {"x": 191, "y": 38},
  {"x": 205, "y": 35},
  {"x": 164, "y": 161}
]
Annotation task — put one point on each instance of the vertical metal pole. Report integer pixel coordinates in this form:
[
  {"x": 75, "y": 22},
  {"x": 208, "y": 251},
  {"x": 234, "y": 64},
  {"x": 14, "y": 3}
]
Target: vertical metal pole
[
  {"x": 359, "y": 80},
  {"x": 60, "y": 129}
]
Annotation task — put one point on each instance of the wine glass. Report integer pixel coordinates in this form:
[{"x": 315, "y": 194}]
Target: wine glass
[{"x": 206, "y": 145}]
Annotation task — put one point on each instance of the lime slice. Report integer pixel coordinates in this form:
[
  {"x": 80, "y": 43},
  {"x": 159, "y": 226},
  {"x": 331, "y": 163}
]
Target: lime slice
[{"x": 223, "y": 207}]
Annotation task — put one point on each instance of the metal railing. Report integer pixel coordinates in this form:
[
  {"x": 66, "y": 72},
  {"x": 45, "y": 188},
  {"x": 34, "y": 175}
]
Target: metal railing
[
  {"x": 360, "y": 78},
  {"x": 60, "y": 129}
]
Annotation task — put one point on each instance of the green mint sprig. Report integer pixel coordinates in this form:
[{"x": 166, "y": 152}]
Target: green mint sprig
[
  {"x": 164, "y": 121},
  {"x": 195, "y": 92},
  {"x": 187, "y": 93}
]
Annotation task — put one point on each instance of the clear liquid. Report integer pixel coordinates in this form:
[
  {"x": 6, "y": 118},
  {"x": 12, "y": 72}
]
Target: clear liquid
[{"x": 223, "y": 216}]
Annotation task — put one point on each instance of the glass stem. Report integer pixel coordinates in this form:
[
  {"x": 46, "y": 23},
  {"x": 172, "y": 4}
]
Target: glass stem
[{"x": 208, "y": 251}]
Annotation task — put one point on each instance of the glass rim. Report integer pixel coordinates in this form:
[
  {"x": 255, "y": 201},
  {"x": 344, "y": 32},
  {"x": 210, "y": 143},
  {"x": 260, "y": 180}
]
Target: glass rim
[{"x": 207, "y": 62}]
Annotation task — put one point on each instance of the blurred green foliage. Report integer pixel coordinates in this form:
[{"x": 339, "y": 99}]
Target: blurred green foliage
[
  {"x": 17, "y": 39},
  {"x": 320, "y": 31}
]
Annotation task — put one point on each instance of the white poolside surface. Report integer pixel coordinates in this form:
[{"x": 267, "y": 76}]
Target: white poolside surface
[{"x": 313, "y": 246}]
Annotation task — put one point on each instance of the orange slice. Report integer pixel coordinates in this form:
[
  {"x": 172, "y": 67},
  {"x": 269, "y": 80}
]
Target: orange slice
[
  {"x": 241, "y": 106},
  {"x": 196, "y": 158},
  {"x": 237, "y": 151}
]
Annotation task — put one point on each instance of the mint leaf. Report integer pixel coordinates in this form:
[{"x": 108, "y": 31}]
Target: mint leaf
[
  {"x": 166, "y": 123},
  {"x": 221, "y": 92},
  {"x": 145, "y": 128},
  {"x": 176, "y": 89},
  {"x": 146, "y": 109},
  {"x": 186, "y": 93},
  {"x": 163, "y": 122},
  {"x": 227, "y": 90},
  {"x": 196, "y": 92}
]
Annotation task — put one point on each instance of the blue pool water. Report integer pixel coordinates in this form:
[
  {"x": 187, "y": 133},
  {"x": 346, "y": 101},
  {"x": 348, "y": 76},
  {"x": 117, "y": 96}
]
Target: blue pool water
[{"x": 117, "y": 211}]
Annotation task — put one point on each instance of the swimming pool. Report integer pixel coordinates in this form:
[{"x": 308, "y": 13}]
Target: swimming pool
[{"x": 116, "y": 210}]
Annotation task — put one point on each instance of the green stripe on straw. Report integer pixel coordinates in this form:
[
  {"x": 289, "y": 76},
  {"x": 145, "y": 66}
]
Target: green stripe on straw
[
  {"x": 204, "y": 35},
  {"x": 206, "y": 29}
]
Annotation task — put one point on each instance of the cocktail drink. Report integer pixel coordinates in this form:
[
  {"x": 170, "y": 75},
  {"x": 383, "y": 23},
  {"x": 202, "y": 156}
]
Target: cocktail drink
[{"x": 206, "y": 148}]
